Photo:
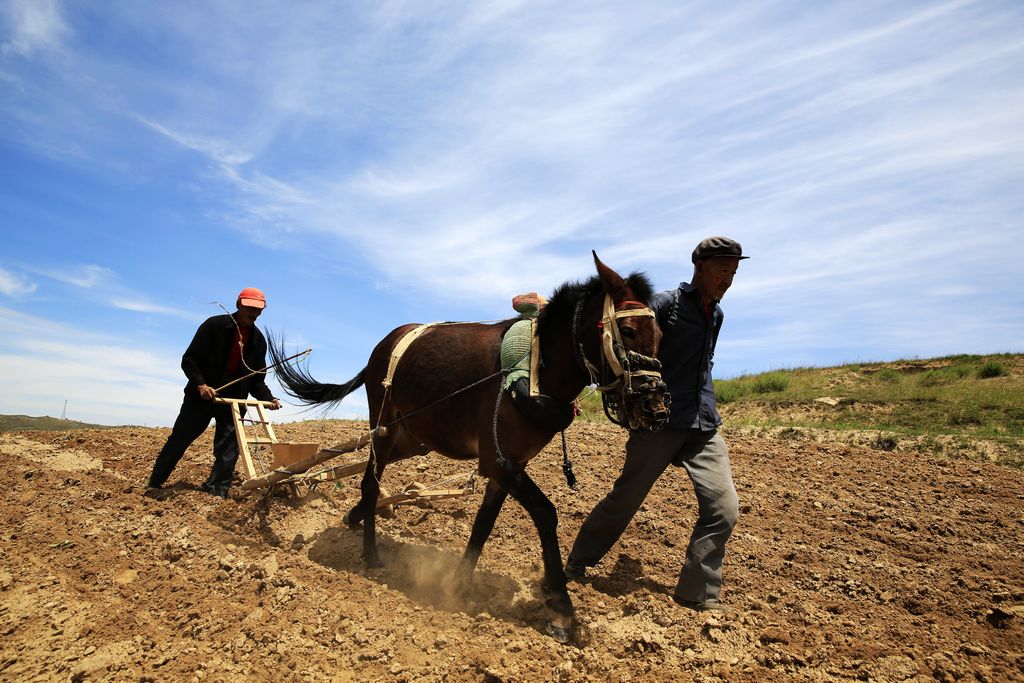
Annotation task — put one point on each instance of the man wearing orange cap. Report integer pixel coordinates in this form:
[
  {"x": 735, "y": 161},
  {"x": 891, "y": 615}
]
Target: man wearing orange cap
[{"x": 225, "y": 348}]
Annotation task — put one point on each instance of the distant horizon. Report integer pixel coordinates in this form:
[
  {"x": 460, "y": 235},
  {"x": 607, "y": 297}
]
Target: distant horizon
[{"x": 316, "y": 409}]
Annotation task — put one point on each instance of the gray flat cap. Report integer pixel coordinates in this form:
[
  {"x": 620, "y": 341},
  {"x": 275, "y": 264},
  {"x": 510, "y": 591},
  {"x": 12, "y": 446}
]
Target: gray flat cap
[{"x": 710, "y": 247}]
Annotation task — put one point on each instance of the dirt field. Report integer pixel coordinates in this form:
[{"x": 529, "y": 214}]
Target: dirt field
[{"x": 848, "y": 564}]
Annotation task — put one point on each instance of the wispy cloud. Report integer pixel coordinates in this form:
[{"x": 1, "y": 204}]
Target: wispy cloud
[
  {"x": 31, "y": 25},
  {"x": 15, "y": 285},
  {"x": 149, "y": 307},
  {"x": 220, "y": 151},
  {"x": 519, "y": 157},
  {"x": 104, "y": 285},
  {"x": 88, "y": 276}
]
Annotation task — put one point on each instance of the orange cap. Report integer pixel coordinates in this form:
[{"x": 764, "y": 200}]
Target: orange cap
[{"x": 250, "y": 296}]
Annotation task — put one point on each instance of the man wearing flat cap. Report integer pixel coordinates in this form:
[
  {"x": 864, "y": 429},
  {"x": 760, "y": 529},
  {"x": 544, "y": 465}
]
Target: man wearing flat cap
[
  {"x": 224, "y": 348},
  {"x": 690, "y": 319}
]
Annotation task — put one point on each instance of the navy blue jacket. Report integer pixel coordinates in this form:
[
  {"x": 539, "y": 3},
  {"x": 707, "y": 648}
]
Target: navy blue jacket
[
  {"x": 687, "y": 354},
  {"x": 206, "y": 358}
]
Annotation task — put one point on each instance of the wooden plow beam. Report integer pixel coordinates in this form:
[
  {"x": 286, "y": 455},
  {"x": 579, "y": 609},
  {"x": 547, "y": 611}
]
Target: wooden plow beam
[
  {"x": 417, "y": 491},
  {"x": 294, "y": 463},
  {"x": 296, "y": 469}
]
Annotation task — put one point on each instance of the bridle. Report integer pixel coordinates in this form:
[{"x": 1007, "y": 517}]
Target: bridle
[{"x": 632, "y": 390}]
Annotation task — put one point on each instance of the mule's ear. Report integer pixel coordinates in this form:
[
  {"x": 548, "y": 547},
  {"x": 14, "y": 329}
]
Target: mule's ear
[{"x": 612, "y": 281}]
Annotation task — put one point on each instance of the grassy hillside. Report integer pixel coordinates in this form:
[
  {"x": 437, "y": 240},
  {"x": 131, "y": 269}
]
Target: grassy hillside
[
  {"x": 935, "y": 402},
  {"x": 978, "y": 395},
  {"x": 10, "y": 423}
]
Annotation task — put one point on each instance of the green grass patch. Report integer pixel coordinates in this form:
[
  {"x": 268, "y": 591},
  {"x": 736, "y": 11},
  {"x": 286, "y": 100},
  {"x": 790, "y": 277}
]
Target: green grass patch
[
  {"x": 947, "y": 375},
  {"x": 591, "y": 408},
  {"x": 966, "y": 417},
  {"x": 992, "y": 369},
  {"x": 728, "y": 391},
  {"x": 770, "y": 382},
  {"x": 973, "y": 397},
  {"x": 888, "y": 376}
]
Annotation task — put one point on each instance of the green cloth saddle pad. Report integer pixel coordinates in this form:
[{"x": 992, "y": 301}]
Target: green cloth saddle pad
[
  {"x": 542, "y": 411},
  {"x": 515, "y": 352}
]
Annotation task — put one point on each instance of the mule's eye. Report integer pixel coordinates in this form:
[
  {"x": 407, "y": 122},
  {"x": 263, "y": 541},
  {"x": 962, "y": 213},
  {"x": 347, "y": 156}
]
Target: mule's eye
[{"x": 628, "y": 332}]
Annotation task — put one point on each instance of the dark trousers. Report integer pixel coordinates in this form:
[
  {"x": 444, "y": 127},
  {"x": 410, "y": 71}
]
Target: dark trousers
[
  {"x": 648, "y": 454},
  {"x": 192, "y": 421}
]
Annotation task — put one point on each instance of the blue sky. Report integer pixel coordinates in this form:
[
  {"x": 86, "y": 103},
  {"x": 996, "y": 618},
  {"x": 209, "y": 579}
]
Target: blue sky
[{"x": 371, "y": 164}]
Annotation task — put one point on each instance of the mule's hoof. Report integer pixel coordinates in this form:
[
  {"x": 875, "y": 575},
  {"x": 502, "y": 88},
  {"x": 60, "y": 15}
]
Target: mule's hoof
[
  {"x": 562, "y": 627},
  {"x": 347, "y": 519},
  {"x": 561, "y": 634}
]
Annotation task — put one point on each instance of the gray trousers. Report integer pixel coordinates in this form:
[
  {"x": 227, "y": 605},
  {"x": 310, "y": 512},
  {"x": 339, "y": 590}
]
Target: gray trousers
[{"x": 706, "y": 458}]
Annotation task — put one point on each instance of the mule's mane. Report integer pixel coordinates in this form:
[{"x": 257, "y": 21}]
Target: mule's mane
[{"x": 563, "y": 301}]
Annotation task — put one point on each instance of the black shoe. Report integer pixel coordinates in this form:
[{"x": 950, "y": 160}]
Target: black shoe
[
  {"x": 706, "y": 606},
  {"x": 221, "y": 493}
]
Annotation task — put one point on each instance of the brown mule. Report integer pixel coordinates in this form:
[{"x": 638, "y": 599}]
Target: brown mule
[{"x": 443, "y": 393}]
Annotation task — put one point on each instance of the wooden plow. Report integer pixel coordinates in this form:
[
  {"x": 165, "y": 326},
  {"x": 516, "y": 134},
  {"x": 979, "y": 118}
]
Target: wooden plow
[{"x": 300, "y": 467}]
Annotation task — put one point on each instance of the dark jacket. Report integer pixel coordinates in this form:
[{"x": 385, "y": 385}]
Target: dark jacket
[
  {"x": 206, "y": 358},
  {"x": 687, "y": 355}
]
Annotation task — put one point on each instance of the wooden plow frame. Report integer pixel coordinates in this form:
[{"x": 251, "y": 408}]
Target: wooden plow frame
[{"x": 298, "y": 465}]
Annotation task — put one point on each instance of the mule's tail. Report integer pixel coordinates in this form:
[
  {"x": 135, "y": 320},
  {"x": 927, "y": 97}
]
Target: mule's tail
[{"x": 298, "y": 383}]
